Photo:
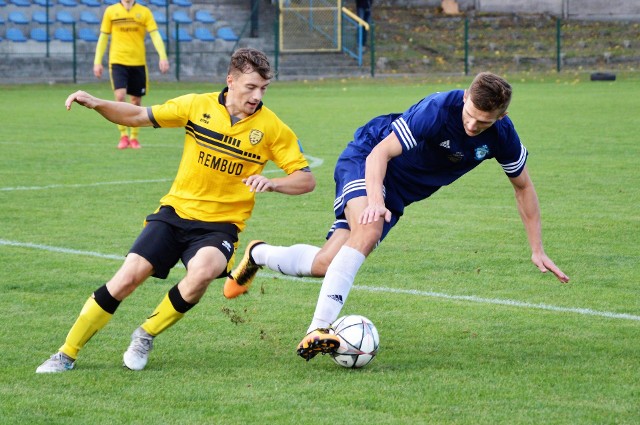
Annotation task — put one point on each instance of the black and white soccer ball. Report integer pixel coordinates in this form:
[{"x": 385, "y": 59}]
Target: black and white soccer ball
[{"x": 359, "y": 341}]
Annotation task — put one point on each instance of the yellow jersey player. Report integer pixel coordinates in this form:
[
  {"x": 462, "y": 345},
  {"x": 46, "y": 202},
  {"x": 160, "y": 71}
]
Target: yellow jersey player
[
  {"x": 127, "y": 23},
  {"x": 230, "y": 136}
]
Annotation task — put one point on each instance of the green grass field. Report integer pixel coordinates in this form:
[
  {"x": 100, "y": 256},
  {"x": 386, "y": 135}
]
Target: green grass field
[{"x": 471, "y": 332}]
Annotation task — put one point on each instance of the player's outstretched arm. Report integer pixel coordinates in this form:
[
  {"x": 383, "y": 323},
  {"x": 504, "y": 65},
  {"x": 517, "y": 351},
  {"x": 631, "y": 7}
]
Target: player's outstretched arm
[
  {"x": 296, "y": 183},
  {"x": 117, "y": 112},
  {"x": 376, "y": 170},
  {"x": 529, "y": 209}
]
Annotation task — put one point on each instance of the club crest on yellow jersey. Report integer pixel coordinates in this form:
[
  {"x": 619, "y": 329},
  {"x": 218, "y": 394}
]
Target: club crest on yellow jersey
[{"x": 255, "y": 136}]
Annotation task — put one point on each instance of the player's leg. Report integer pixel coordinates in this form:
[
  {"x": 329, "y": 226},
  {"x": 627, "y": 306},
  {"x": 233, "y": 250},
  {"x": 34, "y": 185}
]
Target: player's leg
[
  {"x": 295, "y": 260},
  {"x": 207, "y": 258},
  {"x": 134, "y": 138},
  {"x": 119, "y": 80},
  {"x": 97, "y": 312},
  {"x": 138, "y": 81},
  {"x": 338, "y": 280}
]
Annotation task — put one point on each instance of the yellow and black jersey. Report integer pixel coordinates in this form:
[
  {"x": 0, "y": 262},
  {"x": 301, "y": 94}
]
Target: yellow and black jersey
[
  {"x": 127, "y": 30},
  {"x": 218, "y": 155}
]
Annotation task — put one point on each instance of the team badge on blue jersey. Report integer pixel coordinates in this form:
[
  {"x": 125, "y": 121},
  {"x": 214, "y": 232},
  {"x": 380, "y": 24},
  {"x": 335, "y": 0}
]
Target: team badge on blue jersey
[
  {"x": 255, "y": 136},
  {"x": 481, "y": 152}
]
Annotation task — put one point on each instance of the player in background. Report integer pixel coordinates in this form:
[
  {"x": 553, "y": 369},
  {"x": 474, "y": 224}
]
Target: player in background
[
  {"x": 230, "y": 136},
  {"x": 393, "y": 161},
  {"x": 127, "y": 22}
]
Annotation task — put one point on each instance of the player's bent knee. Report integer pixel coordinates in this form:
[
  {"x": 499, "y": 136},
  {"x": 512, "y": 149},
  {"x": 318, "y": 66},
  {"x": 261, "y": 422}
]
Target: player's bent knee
[
  {"x": 204, "y": 275},
  {"x": 320, "y": 265}
]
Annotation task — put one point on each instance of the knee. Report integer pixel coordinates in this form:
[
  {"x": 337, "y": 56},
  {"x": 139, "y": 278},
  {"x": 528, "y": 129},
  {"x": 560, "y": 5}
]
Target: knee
[
  {"x": 122, "y": 285},
  {"x": 202, "y": 275},
  {"x": 320, "y": 264}
]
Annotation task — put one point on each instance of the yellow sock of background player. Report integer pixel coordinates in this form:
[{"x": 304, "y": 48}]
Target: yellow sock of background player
[
  {"x": 134, "y": 133},
  {"x": 169, "y": 311},
  {"x": 95, "y": 314},
  {"x": 123, "y": 129}
]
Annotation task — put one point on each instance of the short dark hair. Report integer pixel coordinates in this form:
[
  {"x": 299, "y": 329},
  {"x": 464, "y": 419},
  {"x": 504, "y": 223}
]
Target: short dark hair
[
  {"x": 490, "y": 93},
  {"x": 247, "y": 60}
]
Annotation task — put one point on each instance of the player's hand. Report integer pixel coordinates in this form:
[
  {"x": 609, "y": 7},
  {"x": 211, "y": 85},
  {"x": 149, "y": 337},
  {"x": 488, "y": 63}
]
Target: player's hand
[
  {"x": 81, "y": 97},
  {"x": 545, "y": 264},
  {"x": 258, "y": 183},
  {"x": 373, "y": 213},
  {"x": 164, "y": 66},
  {"x": 97, "y": 70}
]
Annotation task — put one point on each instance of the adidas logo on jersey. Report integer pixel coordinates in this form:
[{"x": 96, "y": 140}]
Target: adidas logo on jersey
[
  {"x": 337, "y": 298},
  {"x": 445, "y": 144}
]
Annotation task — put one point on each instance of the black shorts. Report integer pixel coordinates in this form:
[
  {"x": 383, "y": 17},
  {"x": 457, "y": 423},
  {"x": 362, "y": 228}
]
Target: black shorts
[
  {"x": 168, "y": 238},
  {"x": 132, "y": 78}
]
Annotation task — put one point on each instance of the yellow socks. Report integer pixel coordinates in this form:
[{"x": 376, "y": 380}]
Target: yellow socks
[
  {"x": 123, "y": 129},
  {"x": 100, "y": 307},
  {"x": 168, "y": 312},
  {"x": 95, "y": 314},
  {"x": 134, "y": 133}
]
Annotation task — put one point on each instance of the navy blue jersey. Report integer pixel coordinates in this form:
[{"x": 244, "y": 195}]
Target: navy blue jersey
[{"x": 436, "y": 151}]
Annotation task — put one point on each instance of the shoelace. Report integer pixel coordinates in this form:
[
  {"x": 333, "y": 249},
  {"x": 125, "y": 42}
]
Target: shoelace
[{"x": 142, "y": 346}]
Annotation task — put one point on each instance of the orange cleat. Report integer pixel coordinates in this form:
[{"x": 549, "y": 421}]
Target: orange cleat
[{"x": 240, "y": 279}]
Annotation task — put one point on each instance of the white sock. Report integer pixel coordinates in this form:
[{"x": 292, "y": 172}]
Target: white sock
[
  {"x": 336, "y": 286},
  {"x": 293, "y": 260}
]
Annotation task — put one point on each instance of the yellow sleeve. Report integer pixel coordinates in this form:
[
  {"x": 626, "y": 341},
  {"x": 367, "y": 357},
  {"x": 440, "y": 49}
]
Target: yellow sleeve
[
  {"x": 101, "y": 47},
  {"x": 158, "y": 44}
]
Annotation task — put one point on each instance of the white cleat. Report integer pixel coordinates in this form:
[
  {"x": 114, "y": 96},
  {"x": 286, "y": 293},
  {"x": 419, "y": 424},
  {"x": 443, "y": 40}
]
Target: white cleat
[
  {"x": 137, "y": 355},
  {"x": 59, "y": 362}
]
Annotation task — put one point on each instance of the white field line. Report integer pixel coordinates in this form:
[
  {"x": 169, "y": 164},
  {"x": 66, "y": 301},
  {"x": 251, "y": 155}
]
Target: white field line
[
  {"x": 413, "y": 292},
  {"x": 313, "y": 163},
  {"x": 76, "y": 185}
]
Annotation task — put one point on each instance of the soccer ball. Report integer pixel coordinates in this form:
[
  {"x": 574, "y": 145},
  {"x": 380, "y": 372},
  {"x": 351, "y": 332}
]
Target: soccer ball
[{"x": 359, "y": 341}]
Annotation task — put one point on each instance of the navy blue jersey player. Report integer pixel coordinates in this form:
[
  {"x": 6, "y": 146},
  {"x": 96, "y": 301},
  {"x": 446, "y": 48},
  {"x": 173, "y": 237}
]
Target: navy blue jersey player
[{"x": 393, "y": 161}]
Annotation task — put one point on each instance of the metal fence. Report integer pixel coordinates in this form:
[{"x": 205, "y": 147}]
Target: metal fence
[{"x": 508, "y": 43}]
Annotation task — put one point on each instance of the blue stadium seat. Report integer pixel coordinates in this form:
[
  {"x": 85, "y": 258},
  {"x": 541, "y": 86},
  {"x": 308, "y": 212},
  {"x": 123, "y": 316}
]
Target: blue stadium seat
[
  {"x": 38, "y": 34},
  {"x": 63, "y": 34},
  {"x": 91, "y": 3},
  {"x": 204, "y": 16},
  {"x": 181, "y": 17},
  {"x": 203, "y": 34},
  {"x": 68, "y": 3},
  {"x": 21, "y": 3},
  {"x": 16, "y": 35},
  {"x": 3, "y": 3},
  {"x": 182, "y": 3},
  {"x": 43, "y": 3},
  {"x": 159, "y": 3},
  {"x": 160, "y": 17},
  {"x": 227, "y": 34},
  {"x": 17, "y": 17},
  {"x": 89, "y": 17},
  {"x": 63, "y": 16},
  {"x": 110, "y": 2},
  {"x": 40, "y": 16},
  {"x": 163, "y": 35},
  {"x": 183, "y": 35},
  {"x": 1, "y": 20},
  {"x": 88, "y": 34}
]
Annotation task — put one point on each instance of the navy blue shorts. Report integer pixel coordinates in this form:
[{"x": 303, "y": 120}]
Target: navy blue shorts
[
  {"x": 168, "y": 238},
  {"x": 349, "y": 178},
  {"x": 132, "y": 78}
]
